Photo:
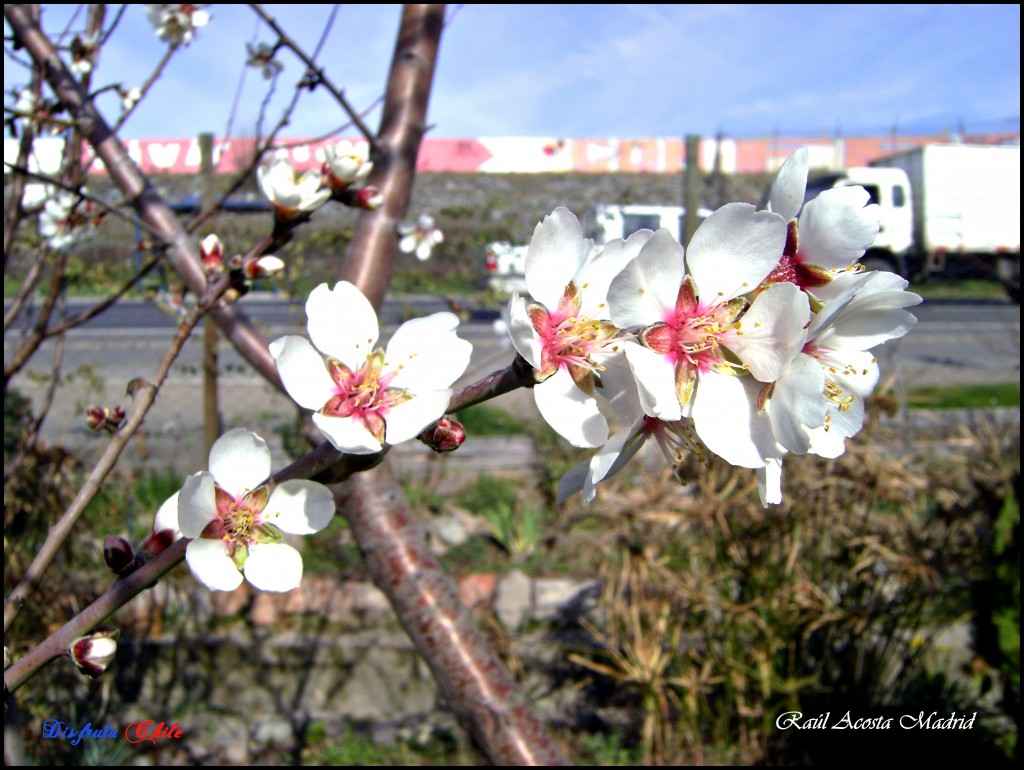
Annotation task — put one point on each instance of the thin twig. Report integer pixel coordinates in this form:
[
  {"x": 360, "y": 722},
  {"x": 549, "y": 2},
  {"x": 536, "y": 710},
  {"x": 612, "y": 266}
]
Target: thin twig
[
  {"x": 138, "y": 191},
  {"x": 35, "y": 338},
  {"x": 119, "y": 594},
  {"x": 144, "y": 89},
  {"x": 317, "y": 71},
  {"x": 144, "y": 396},
  {"x": 99, "y": 307}
]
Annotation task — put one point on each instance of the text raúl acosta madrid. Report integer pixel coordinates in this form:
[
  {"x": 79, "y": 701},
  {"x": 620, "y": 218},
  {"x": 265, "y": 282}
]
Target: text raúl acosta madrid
[{"x": 849, "y": 721}]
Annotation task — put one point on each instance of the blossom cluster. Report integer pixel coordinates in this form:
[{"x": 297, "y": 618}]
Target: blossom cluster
[
  {"x": 752, "y": 343},
  {"x": 65, "y": 217},
  {"x": 342, "y": 176}
]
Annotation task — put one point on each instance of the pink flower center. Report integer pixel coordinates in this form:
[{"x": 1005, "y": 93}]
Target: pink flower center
[
  {"x": 569, "y": 339},
  {"x": 241, "y": 520},
  {"x": 692, "y": 335},
  {"x": 364, "y": 394},
  {"x": 693, "y": 332}
]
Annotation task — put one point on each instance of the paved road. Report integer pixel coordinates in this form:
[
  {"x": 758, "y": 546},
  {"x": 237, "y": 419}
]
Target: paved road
[{"x": 953, "y": 343}]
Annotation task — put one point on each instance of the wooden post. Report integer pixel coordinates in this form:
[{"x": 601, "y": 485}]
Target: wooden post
[
  {"x": 691, "y": 186},
  {"x": 212, "y": 424}
]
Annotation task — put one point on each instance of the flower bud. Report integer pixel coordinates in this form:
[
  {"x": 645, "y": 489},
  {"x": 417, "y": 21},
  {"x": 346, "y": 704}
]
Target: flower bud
[
  {"x": 100, "y": 418},
  {"x": 96, "y": 417},
  {"x": 94, "y": 652},
  {"x": 445, "y": 435},
  {"x": 264, "y": 267},
  {"x": 165, "y": 528},
  {"x": 118, "y": 554},
  {"x": 369, "y": 198},
  {"x": 212, "y": 252}
]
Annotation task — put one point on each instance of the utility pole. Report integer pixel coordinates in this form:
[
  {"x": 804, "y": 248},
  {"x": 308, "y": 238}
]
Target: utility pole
[
  {"x": 691, "y": 186},
  {"x": 212, "y": 423}
]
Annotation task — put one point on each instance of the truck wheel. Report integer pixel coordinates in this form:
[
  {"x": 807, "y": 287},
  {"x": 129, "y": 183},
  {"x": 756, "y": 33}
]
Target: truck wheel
[{"x": 1008, "y": 270}]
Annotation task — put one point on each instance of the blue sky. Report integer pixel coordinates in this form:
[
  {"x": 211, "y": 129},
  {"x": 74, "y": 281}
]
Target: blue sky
[{"x": 591, "y": 70}]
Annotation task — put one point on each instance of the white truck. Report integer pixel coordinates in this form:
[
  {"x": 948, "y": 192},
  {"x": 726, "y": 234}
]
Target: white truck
[{"x": 950, "y": 210}]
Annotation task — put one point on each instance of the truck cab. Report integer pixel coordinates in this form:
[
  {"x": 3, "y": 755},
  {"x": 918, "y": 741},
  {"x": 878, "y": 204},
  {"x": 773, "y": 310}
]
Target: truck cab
[{"x": 890, "y": 189}]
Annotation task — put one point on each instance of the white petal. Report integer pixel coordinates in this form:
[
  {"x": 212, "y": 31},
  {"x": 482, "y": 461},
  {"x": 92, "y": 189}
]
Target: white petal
[
  {"x": 308, "y": 184},
  {"x": 827, "y": 443},
  {"x": 859, "y": 373},
  {"x": 573, "y": 481},
  {"x": 303, "y": 372},
  {"x": 846, "y": 422},
  {"x": 427, "y": 354},
  {"x": 347, "y": 434},
  {"x": 790, "y": 184},
  {"x": 655, "y": 376},
  {"x": 520, "y": 330},
  {"x": 733, "y": 250},
  {"x": 601, "y": 268},
  {"x": 409, "y": 418},
  {"x": 265, "y": 177},
  {"x": 798, "y": 402},
  {"x": 727, "y": 420},
  {"x": 167, "y": 516},
  {"x": 842, "y": 425},
  {"x": 608, "y": 461},
  {"x": 300, "y": 507},
  {"x": 407, "y": 244},
  {"x": 646, "y": 290},
  {"x": 274, "y": 567},
  {"x": 342, "y": 323},
  {"x": 837, "y": 227},
  {"x": 569, "y": 411},
  {"x": 869, "y": 320},
  {"x": 239, "y": 461},
  {"x": 772, "y": 331},
  {"x": 769, "y": 482},
  {"x": 556, "y": 252},
  {"x": 423, "y": 250},
  {"x": 197, "y": 504},
  {"x": 618, "y": 386},
  {"x": 211, "y": 565},
  {"x": 620, "y": 449}
]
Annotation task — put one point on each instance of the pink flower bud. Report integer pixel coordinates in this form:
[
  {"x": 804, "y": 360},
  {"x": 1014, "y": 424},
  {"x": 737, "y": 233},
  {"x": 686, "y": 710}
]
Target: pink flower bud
[
  {"x": 158, "y": 542},
  {"x": 94, "y": 652},
  {"x": 165, "y": 528},
  {"x": 96, "y": 417},
  {"x": 100, "y": 418},
  {"x": 264, "y": 267},
  {"x": 212, "y": 252},
  {"x": 445, "y": 435},
  {"x": 369, "y": 198}
]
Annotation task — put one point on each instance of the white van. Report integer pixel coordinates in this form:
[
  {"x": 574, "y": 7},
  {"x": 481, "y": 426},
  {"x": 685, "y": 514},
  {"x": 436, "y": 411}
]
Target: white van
[{"x": 505, "y": 263}]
